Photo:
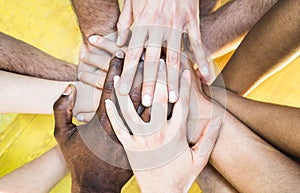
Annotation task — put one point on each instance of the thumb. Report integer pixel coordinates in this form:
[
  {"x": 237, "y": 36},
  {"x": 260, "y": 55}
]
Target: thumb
[
  {"x": 204, "y": 146},
  {"x": 63, "y": 114},
  {"x": 124, "y": 23}
]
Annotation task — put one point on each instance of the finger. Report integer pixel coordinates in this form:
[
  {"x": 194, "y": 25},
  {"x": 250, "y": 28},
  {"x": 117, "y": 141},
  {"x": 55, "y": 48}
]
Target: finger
[
  {"x": 159, "y": 111},
  {"x": 124, "y": 23},
  {"x": 181, "y": 107},
  {"x": 115, "y": 68},
  {"x": 116, "y": 122},
  {"x": 200, "y": 53},
  {"x": 150, "y": 74},
  {"x": 85, "y": 117},
  {"x": 95, "y": 79},
  {"x": 135, "y": 93},
  {"x": 103, "y": 43},
  {"x": 63, "y": 114},
  {"x": 204, "y": 146},
  {"x": 82, "y": 67},
  {"x": 128, "y": 111},
  {"x": 101, "y": 61},
  {"x": 173, "y": 64},
  {"x": 132, "y": 58}
]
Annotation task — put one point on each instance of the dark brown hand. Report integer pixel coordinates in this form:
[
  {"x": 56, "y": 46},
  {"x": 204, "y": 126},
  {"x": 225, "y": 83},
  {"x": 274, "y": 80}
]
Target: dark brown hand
[{"x": 92, "y": 151}]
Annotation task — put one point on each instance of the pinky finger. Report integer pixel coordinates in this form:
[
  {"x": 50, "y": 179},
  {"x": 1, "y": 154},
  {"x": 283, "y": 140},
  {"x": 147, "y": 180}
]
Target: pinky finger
[{"x": 117, "y": 124}]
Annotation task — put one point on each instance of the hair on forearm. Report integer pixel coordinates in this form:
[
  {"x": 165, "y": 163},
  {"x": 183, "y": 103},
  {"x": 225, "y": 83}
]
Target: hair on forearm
[
  {"x": 96, "y": 16},
  {"x": 19, "y": 57}
]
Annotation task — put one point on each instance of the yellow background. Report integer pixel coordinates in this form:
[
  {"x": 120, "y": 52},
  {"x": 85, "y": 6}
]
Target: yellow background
[{"x": 51, "y": 26}]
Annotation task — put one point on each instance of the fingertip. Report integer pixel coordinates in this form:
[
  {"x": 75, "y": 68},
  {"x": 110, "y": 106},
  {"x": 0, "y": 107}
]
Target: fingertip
[
  {"x": 187, "y": 75},
  {"x": 173, "y": 96},
  {"x": 147, "y": 100},
  {"x": 93, "y": 39},
  {"x": 120, "y": 54},
  {"x": 67, "y": 91}
]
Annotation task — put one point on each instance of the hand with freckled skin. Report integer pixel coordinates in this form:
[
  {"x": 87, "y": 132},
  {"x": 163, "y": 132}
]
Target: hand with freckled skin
[{"x": 84, "y": 146}]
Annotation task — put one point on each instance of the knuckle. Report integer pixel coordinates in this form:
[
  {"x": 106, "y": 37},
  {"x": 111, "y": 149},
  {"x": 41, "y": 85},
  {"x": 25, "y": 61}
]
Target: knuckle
[
  {"x": 131, "y": 55},
  {"x": 173, "y": 58}
]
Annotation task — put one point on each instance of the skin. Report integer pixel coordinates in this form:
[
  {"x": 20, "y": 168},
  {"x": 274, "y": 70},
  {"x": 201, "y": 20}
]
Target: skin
[
  {"x": 96, "y": 16},
  {"x": 263, "y": 51},
  {"x": 211, "y": 180},
  {"x": 89, "y": 173},
  {"x": 159, "y": 22},
  {"x": 279, "y": 118},
  {"x": 40, "y": 175},
  {"x": 188, "y": 162},
  {"x": 222, "y": 30},
  {"x": 238, "y": 148},
  {"x": 45, "y": 94},
  {"x": 32, "y": 61}
]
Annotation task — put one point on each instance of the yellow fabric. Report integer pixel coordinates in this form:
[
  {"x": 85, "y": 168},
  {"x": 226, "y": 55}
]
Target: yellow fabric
[{"x": 50, "y": 25}]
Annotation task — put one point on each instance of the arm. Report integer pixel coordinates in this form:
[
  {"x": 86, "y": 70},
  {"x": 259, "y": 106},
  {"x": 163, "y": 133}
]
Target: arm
[
  {"x": 23, "y": 94},
  {"x": 271, "y": 44},
  {"x": 223, "y": 29},
  {"x": 96, "y": 160},
  {"x": 277, "y": 124},
  {"x": 18, "y": 57},
  {"x": 96, "y": 16},
  {"x": 39, "y": 175},
  {"x": 250, "y": 164}
]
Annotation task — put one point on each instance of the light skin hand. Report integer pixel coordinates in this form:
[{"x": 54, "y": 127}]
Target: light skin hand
[
  {"x": 184, "y": 163},
  {"x": 155, "y": 23}
]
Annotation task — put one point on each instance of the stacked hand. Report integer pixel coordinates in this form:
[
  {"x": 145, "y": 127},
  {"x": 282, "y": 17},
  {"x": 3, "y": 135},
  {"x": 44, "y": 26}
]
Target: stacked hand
[
  {"x": 92, "y": 152},
  {"x": 157, "y": 23},
  {"x": 158, "y": 150}
]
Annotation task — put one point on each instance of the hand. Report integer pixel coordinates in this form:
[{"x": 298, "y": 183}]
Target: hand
[
  {"x": 158, "y": 151},
  {"x": 155, "y": 23},
  {"x": 92, "y": 70},
  {"x": 92, "y": 152},
  {"x": 202, "y": 109}
]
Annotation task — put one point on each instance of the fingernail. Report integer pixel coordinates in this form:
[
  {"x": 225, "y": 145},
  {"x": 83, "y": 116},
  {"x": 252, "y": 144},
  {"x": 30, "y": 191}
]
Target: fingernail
[
  {"x": 187, "y": 75},
  {"x": 107, "y": 102},
  {"x": 205, "y": 71},
  {"x": 172, "y": 96},
  {"x": 143, "y": 56},
  {"x": 120, "y": 54},
  {"x": 162, "y": 65},
  {"x": 80, "y": 118},
  {"x": 147, "y": 100},
  {"x": 118, "y": 40},
  {"x": 217, "y": 122},
  {"x": 93, "y": 39},
  {"x": 116, "y": 79},
  {"x": 67, "y": 91},
  {"x": 123, "y": 89}
]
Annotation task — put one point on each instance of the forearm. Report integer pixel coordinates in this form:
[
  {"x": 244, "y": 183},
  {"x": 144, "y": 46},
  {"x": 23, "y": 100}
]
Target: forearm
[
  {"x": 223, "y": 30},
  {"x": 250, "y": 164},
  {"x": 277, "y": 124},
  {"x": 96, "y": 16},
  {"x": 23, "y": 94},
  {"x": 39, "y": 176},
  {"x": 21, "y": 58},
  {"x": 271, "y": 44},
  {"x": 210, "y": 180}
]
